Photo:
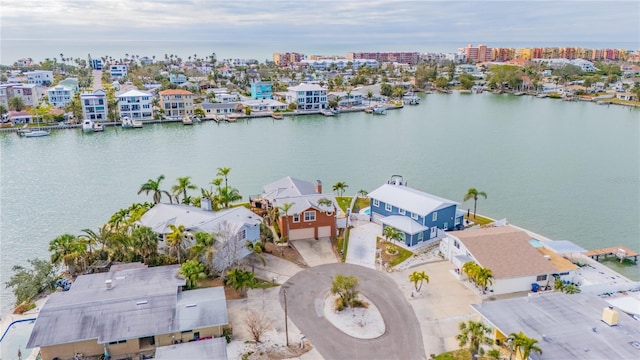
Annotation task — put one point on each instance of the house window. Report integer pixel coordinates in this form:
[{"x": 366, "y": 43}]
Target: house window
[
  {"x": 401, "y": 211},
  {"x": 420, "y": 236},
  {"x": 414, "y": 216},
  {"x": 309, "y": 216},
  {"x": 243, "y": 234},
  {"x": 296, "y": 218},
  {"x": 457, "y": 221},
  {"x": 541, "y": 277},
  {"x": 434, "y": 217},
  {"x": 117, "y": 342},
  {"x": 388, "y": 207},
  {"x": 376, "y": 202},
  {"x": 456, "y": 244}
]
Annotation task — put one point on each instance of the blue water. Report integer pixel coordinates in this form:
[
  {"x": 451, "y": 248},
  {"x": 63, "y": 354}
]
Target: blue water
[{"x": 16, "y": 338}]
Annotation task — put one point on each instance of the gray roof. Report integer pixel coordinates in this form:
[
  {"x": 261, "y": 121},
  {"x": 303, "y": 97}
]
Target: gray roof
[
  {"x": 409, "y": 199},
  {"x": 288, "y": 187},
  {"x": 142, "y": 302},
  {"x": 210, "y": 349},
  {"x": 566, "y": 326},
  {"x": 564, "y": 247},
  {"x": 192, "y": 218},
  {"x": 404, "y": 223},
  {"x": 306, "y": 202}
]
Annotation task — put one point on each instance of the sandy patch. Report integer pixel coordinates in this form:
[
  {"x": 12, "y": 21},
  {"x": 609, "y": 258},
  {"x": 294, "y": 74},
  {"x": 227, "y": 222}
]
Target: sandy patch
[{"x": 360, "y": 323}]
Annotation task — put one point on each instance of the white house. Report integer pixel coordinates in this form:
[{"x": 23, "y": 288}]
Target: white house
[
  {"x": 307, "y": 96},
  {"x": 264, "y": 105},
  {"x": 60, "y": 96},
  {"x": 31, "y": 94},
  {"x": 233, "y": 228},
  {"x": 510, "y": 255},
  {"x": 40, "y": 77},
  {"x": 118, "y": 71},
  {"x": 353, "y": 98},
  {"x": 177, "y": 79},
  {"x": 585, "y": 65},
  {"x": 136, "y": 105},
  {"x": 94, "y": 105}
]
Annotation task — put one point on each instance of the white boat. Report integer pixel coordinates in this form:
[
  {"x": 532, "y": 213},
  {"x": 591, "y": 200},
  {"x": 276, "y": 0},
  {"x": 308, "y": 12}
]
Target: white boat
[
  {"x": 378, "y": 110},
  {"x": 136, "y": 124},
  {"x": 36, "y": 133},
  {"x": 411, "y": 99},
  {"x": 327, "y": 112},
  {"x": 87, "y": 125},
  {"x": 128, "y": 123},
  {"x": 187, "y": 121},
  {"x": 97, "y": 127}
]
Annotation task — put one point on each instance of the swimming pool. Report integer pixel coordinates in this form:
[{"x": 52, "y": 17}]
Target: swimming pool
[
  {"x": 366, "y": 211},
  {"x": 16, "y": 338}
]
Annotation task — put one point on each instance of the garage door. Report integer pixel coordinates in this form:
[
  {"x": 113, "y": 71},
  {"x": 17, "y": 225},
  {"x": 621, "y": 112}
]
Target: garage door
[
  {"x": 377, "y": 218},
  {"x": 298, "y": 234},
  {"x": 324, "y": 231}
]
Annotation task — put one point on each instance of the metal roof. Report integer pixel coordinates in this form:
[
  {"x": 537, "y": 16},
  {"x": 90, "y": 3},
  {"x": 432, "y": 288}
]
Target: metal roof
[
  {"x": 288, "y": 187},
  {"x": 409, "y": 199},
  {"x": 566, "y": 326},
  {"x": 404, "y": 223},
  {"x": 141, "y": 302},
  {"x": 564, "y": 247}
]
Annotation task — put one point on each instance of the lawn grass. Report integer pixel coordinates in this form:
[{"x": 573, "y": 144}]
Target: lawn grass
[
  {"x": 479, "y": 219},
  {"x": 344, "y": 202},
  {"x": 392, "y": 260},
  {"x": 362, "y": 203},
  {"x": 462, "y": 354},
  {"x": 401, "y": 257}
]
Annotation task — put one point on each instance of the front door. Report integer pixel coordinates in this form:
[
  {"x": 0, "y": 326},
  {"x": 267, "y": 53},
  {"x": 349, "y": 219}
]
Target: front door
[{"x": 434, "y": 232}]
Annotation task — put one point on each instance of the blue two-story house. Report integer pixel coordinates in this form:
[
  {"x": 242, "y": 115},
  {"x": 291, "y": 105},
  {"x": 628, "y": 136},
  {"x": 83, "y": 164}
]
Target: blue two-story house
[
  {"x": 261, "y": 90},
  {"x": 419, "y": 216}
]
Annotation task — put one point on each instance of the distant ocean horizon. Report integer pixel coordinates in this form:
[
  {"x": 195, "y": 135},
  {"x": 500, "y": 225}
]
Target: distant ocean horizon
[{"x": 40, "y": 49}]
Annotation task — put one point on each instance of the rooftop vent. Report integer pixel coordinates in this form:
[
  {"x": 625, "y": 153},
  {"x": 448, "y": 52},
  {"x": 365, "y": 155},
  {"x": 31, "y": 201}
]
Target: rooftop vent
[
  {"x": 109, "y": 284},
  {"x": 141, "y": 302},
  {"x": 610, "y": 316},
  {"x": 191, "y": 305},
  {"x": 635, "y": 344}
]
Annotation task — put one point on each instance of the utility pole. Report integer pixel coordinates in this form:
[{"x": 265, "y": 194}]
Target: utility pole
[{"x": 286, "y": 319}]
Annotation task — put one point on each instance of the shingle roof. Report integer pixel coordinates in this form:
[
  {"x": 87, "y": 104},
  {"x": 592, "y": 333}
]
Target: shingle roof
[
  {"x": 506, "y": 251},
  {"x": 415, "y": 201},
  {"x": 142, "y": 302},
  {"x": 175, "y": 92},
  {"x": 288, "y": 187}
]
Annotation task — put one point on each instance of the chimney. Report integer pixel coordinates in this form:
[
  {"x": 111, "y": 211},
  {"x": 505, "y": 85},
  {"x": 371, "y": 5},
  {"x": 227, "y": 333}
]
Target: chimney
[
  {"x": 109, "y": 284},
  {"x": 610, "y": 316},
  {"x": 205, "y": 204},
  {"x": 319, "y": 186}
]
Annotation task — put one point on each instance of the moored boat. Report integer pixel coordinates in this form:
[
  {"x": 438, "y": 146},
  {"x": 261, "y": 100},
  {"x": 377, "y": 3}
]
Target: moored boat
[
  {"x": 136, "y": 124},
  {"x": 277, "y": 116},
  {"x": 36, "y": 133},
  {"x": 187, "y": 121},
  {"x": 379, "y": 110},
  {"x": 87, "y": 125},
  {"x": 327, "y": 112},
  {"x": 98, "y": 127}
]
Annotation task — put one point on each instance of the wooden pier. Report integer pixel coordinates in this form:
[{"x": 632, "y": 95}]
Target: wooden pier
[{"x": 619, "y": 252}]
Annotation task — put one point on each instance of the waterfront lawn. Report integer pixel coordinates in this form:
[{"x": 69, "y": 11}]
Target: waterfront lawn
[
  {"x": 478, "y": 219},
  {"x": 361, "y": 203},
  {"x": 344, "y": 202}
]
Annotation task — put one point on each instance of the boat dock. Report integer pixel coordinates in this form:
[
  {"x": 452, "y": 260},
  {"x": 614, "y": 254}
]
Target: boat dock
[{"x": 619, "y": 252}]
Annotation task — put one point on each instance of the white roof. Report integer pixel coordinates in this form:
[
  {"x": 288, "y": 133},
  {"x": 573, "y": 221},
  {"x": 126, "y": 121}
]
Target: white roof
[
  {"x": 134, "y": 92},
  {"x": 287, "y": 187},
  {"x": 305, "y": 202},
  {"x": 306, "y": 87},
  {"x": 415, "y": 201},
  {"x": 404, "y": 223},
  {"x": 161, "y": 215}
]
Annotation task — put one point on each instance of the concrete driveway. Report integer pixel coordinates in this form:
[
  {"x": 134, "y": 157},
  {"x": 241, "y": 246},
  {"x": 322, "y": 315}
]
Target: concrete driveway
[
  {"x": 362, "y": 245},
  {"x": 305, "y": 295},
  {"x": 315, "y": 252}
]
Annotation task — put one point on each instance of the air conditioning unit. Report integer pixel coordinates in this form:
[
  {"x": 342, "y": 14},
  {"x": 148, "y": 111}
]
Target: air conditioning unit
[
  {"x": 109, "y": 284},
  {"x": 610, "y": 316}
]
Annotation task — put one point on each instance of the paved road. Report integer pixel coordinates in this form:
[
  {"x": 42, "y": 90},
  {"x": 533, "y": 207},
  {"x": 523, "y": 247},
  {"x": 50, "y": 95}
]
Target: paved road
[{"x": 305, "y": 294}]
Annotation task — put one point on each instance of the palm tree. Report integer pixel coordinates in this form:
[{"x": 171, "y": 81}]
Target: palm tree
[
  {"x": 154, "y": 187},
  {"x": 204, "y": 249},
  {"x": 340, "y": 187},
  {"x": 176, "y": 239},
  {"x": 227, "y": 195},
  {"x": 224, "y": 172},
  {"x": 524, "y": 344},
  {"x": 474, "y": 333},
  {"x": 483, "y": 278},
  {"x": 144, "y": 241},
  {"x": 472, "y": 193},
  {"x": 192, "y": 270},
  {"x": 240, "y": 280},
  {"x": 101, "y": 237},
  {"x": 184, "y": 184},
  {"x": 369, "y": 96},
  {"x": 285, "y": 209},
  {"x": 16, "y": 103},
  {"x": 417, "y": 278},
  {"x": 470, "y": 268},
  {"x": 390, "y": 233},
  {"x": 362, "y": 193},
  {"x": 3, "y": 110},
  {"x": 66, "y": 249}
]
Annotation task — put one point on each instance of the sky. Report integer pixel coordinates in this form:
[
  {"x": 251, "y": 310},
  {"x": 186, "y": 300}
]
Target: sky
[{"x": 307, "y": 22}]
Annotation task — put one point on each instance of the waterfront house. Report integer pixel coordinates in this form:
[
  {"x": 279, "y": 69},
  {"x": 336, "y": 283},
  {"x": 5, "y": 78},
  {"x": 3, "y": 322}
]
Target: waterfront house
[
  {"x": 211, "y": 110},
  {"x": 30, "y": 94},
  {"x": 419, "y": 216},
  {"x": 578, "y": 326},
  {"x": 352, "y": 98},
  {"x": 94, "y": 105},
  {"x": 60, "y": 95},
  {"x": 176, "y": 103},
  {"x": 627, "y": 96},
  {"x": 307, "y": 96},
  {"x": 127, "y": 312},
  {"x": 232, "y": 228},
  {"x": 40, "y": 77},
  {"x": 511, "y": 255},
  {"x": 312, "y": 214},
  {"x": 261, "y": 90},
  {"x": 136, "y": 105},
  {"x": 262, "y": 105},
  {"x": 18, "y": 117}
]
